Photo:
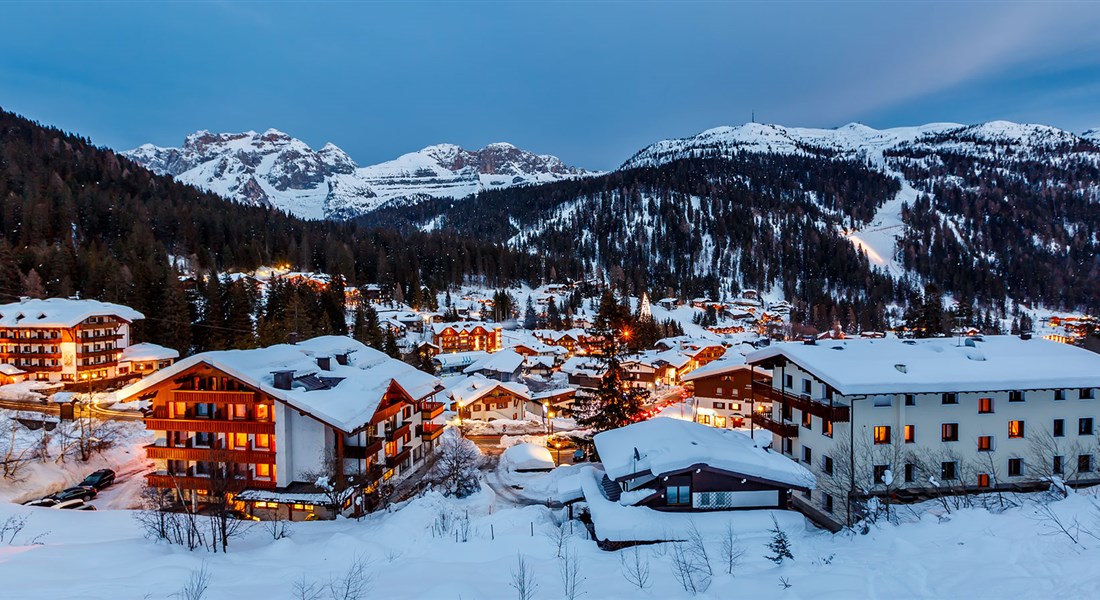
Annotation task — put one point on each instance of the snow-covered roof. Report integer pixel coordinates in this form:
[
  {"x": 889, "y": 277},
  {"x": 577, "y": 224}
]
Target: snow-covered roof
[
  {"x": 348, "y": 404},
  {"x": 11, "y": 370},
  {"x": 147, "y": 351},
  {"x": 532, "y": 362},
  {"x": 505, "y": 361},
  {"x": 61, "y": 312},
  {"x": 453, "y": 360},
  {"x": 555, "y": 393},
  {"x": 731, "y": 361},
  {"x": 661, "y": 446},
  {"x": 474, "y": 387},
  {"x": 528, "y": 457},
  {"x": 891, "y": 365},
  {"x": 583, "y": 366}
]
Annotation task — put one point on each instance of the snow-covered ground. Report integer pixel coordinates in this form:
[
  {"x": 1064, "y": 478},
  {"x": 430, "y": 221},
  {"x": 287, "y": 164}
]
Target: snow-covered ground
[{"x": 435, "y": 547}]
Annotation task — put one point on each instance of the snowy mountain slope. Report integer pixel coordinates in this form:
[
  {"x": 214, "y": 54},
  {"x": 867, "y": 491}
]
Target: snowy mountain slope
[{"x": 275, "y": 169}]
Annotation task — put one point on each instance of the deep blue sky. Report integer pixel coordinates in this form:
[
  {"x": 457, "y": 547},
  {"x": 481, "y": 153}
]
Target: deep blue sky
[{"x": 591, "y": 83}]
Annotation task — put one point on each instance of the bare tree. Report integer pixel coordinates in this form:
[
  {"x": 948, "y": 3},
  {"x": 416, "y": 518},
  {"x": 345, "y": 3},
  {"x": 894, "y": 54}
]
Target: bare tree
[
  {"x": 557, "y": 538},
  {"x": 196, "y": 586},
  {"x": 330, "y": 478},
  {"x": 947, "y": 488},
  {"x": 523, "y": 579},
  {"x": 11, "y": 527},
  {"x": 304, "y": 589},
  {"x": 732, "y": 551},
  {"x": 635, "y": 567},
  {"x": 1054, "y": 459},
  {"x": 456, "y": 468},
  {"x": 278, "y": 528},
  {"x": 569, "y": 568},
  {"x": 848, "y": 478},
  {"x": 85, "y": 437},
  {"x": 354, "y": 583},
  {"x": 1055, "y": 524},
  {"x": 224, "y": 480},
  {"x": 13, "y": 455}
]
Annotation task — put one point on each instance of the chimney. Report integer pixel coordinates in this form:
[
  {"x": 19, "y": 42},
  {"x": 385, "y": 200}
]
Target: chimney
[
  {"x": 283, "y": 379},
  {"x": 809, "y": 340},
  {"x": 292, "y": 337},
  {"x": 1025, "y": 335},
  {"x": 342, "y": 358},
  {"x": 325, "y": 363}
]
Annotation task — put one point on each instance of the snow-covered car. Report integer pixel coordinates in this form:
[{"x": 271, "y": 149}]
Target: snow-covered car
[
  {"x": 41, "y": 502},
  {"x": 99, "y": 479},
  {"x": 81, "y": 492},
  {"x": 73, "y": 504}
]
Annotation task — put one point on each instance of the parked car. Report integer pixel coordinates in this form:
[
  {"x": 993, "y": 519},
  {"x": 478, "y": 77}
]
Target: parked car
[
  {"x": 74, "y": 504},
  {"x": 83, "y": 493},
  {"x": 42, "y": 502},
  {"x": 99, "y": 480},
  {"x": 578, "y": 456}
]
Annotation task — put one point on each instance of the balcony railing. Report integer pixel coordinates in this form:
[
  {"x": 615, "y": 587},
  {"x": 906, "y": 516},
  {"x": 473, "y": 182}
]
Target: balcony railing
[
  {"x": 192, "y": 482},
  {"x": 431, "y": 410},
  {"x": 209, "y": 397},
  {"x": 210, "y": 454},
  {"x": 370, "y": 450},
  {"x": 837, "y": 413},
  {"x": 385, "y": 413},
  {"x": 429, "y": 431},
  {"x": 398, "y": 433},
  {"x": 765, "y": 421},
  {"x": 210, "y": 426},
  {"x": 397, "y": 459}
]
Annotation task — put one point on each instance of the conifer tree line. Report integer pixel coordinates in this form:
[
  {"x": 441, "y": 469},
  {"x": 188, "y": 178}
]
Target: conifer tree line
[{"x": 77, "y": 219}]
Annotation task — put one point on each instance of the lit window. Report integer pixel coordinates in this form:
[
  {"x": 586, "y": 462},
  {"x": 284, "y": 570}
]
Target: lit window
[
  {"x": 1015, "y": 429},
  {"x": 985, "y": 405},
  {"x": 985, "y": 443},
  {"x": 910, "y": 434},
  {"x": 882, "y": 434},
  {"x": 983, "y": 480},
  {"x": 263, "y": 470}
]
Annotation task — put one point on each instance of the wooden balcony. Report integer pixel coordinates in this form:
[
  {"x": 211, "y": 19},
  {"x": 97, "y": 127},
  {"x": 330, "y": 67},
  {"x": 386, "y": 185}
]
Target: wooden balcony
[
  {"x": 385, "y": 413},
  {"x": 100, "y": 352},
  {"x": 211, "y": 454},
  {"x": 190, "y": 482},
  {"x": 397, "y": 459},
  {"x": 373, "y": 447},
  {"x": 206, "y": 397},
  {"x": 837, "y": 413},
  {"x": 431, "y": 410},
  {"x": 789, "y": 430},
  {"x": 210, "y": 426},
  {"x": 398, "y": 433},
  {"x": 99, "y": 338},
  {"x": 429, "y": 431}
]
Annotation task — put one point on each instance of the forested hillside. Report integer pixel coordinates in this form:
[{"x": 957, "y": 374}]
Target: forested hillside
[{"x": 79, "y": 219}]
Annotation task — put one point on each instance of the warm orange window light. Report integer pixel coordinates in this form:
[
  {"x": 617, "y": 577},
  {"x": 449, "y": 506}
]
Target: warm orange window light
[
  {"x": 985, "y": 405},
  {"x": 263, "y": 412},
  {"x": 985, "y": 443},
  {"x": 263, "y": 470},
  {"x": 1015, "y": 429},
  {"x": 983, "y": 480},
  {"x": 882, "y": 434},
  {"x": 240, "y": 440},
  {"x": 910, "y": 434},
  {"x": 263, "y": 440}
]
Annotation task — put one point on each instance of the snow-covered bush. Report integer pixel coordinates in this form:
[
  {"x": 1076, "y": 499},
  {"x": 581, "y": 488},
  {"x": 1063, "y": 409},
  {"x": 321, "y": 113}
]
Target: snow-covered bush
[{"x": 455, "y": 471}]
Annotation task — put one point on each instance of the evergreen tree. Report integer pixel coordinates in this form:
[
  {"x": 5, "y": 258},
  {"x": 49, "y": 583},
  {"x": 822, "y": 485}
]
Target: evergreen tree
[
  {"x": 530, "y": 318},
  {"x": 780, "y": 544},
  {"x": 389, "y": 344},
  {"x": 33, "y": 286},
  {"x": 615, "y": 402},
  {"x": 553, "y": 317},
  {"x": 175, "y": 316}
]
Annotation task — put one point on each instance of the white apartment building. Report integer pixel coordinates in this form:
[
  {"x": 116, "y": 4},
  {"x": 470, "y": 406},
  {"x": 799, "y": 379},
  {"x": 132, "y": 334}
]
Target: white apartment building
[{"x": 931, "y": 416}]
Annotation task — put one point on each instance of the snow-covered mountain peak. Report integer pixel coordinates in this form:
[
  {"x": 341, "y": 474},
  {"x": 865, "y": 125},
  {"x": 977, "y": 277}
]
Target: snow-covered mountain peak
[{"x": 275, "y": 169}]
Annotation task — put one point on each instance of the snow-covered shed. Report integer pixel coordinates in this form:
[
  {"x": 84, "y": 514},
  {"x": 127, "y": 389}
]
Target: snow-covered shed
[{"x": 670, "y": 464}]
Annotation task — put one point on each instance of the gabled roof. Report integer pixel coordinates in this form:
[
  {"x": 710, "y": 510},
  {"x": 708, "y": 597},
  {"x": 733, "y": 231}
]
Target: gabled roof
[
  {"x": 892, "y": 365},
  {"x": 661, "y": 446},
  {"x": 453, "y": 360},
  {"x": 61, "y": 312},
  {"x": 731, "y": 361},
  {"x": 467, "y": 326},
  {"x": 475, "y": 387},
  {"x": 583, "y": 366},
  {"x": 505, "y": 361},
  {"x": 349, "y": 396},
  {"x": 147, "y": 351}
]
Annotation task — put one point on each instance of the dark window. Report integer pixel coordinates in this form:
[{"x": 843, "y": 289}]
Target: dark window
[
  {"x": 1084, "y": 463},
  {"x": 882, "y": 434},
  {"x": 1058, "y": 468},
  {"x": 807, "y": 420},
  {"x": 1015, "y": 429},
  {"x": 720, "y": 405},
  {"x": 985, "y": 405},
  {"x": 678, "y": 495},
  {"x": 880, "y": 474},
  {"x": 950, "y": 398},
  {"x": 788, "y": 381},
  {"x": 788, "y": 412},
  {"x": 1059, "y": 427},
  {"x": 1087, "y": 394},
  {"x": 828, "y": 503},
  {"x": 1084, "y": 426},
  {"x": 1015, "y": 467},
  {"x": 949, "y": 432},
  {"x": 985, "y": 443},
  {"x": 826, "y": 428},
  {"x": 807, "y": 386},
  {"x": 948, "y": 471},
  {"x": 827, "y": 465},
  {"x": 910, "y": 472},
  {"x": 1059, "y": 394},
  {"x": 807, "y": 455},
  {"x": 1016, "y": 396},
  {"x": 788, "y": 446},
  {"x": 910, "y": 400}
]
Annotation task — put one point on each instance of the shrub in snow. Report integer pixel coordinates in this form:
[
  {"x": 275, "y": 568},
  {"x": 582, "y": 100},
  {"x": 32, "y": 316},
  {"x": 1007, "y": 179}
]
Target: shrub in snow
[
  {"x": 455, "y": 471},
  {"x": 780, "y": 545},
  {"x": 523, "y": 579},
  {"x": 691, "y": 563},
  {"x": 635, "y": 567}
]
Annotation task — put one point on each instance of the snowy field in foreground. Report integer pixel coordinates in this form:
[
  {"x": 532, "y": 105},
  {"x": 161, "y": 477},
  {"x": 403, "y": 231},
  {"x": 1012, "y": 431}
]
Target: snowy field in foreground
[{"x": 968, "y": 554}]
